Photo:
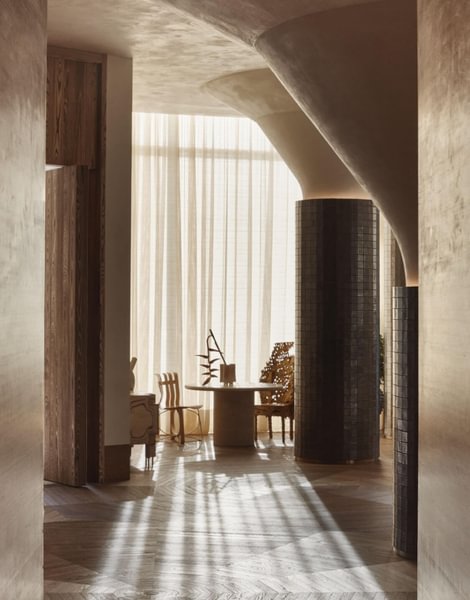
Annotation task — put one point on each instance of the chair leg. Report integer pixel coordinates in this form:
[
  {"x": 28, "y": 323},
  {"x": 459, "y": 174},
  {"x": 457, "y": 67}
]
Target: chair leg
[
  {"x": 270, "y": 423},
  {"x": 291, "y": 428},
  {"x": 255, "y": 428},
  {"x": 200, "y": 423},
  {"x": 283, "y": 430},
  {"x": 149, "y": 451},
  {"x": 181, "y": 424},
  {"x": 172, "y": 424}
]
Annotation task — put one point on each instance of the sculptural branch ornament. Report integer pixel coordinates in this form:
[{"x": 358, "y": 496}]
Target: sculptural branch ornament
[{"x": 210, "y": 370}]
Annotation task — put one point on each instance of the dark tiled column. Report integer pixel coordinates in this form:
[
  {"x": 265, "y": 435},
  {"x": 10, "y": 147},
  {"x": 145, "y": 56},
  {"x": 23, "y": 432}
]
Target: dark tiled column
[
  {"x": 405, "y": 406},
  {"x": 336, "y": 389},
  {"x": 394, "y": 275}
]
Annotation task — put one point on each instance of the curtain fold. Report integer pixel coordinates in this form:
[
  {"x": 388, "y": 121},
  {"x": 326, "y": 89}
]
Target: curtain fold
[{"x": 213, "y": 226}]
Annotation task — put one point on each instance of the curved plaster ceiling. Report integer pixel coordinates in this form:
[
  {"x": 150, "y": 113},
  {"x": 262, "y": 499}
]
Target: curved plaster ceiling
[
  {"x": 173, "y": 53},
  {"x": 258, "y": 94},
  {"x": 248, "y": 19},
  {"x": 350, "y": 64},
  {"x": 352, "y": 67},
  {"x": 174, "y": 45},
  {"x": 353, "y": 70}
]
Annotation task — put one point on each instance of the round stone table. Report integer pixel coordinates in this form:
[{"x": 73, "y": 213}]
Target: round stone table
[{"x": 233, "y": 410}]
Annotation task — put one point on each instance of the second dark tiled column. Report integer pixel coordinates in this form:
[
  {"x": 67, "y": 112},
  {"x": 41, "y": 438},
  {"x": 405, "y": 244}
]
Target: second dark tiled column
[{"x": 405, "y": 406}]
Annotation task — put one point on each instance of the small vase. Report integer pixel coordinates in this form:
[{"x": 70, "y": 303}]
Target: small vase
[{"x": 227, "y": 374}]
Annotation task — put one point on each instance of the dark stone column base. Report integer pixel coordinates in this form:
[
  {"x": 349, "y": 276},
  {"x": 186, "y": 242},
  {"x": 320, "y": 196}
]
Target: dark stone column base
[{"x": 343, "y": 462}]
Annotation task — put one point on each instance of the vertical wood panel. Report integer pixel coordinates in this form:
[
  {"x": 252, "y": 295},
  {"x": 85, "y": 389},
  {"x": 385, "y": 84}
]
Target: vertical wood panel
[
  {"x": 74, "y": 102},
  {"x": 55, "y": 111},
  {"x": 73, "y": 112},
  {"x": 91, "y": 118},
  {"x": 101, "y": 184},
  {"x": 95, "y": 392},
  {"x": 66, "y": 309},
  {"x": 78, "y": 85},
  {"x": 81, "y": 320},
  {"x": 75, "y": 136}
]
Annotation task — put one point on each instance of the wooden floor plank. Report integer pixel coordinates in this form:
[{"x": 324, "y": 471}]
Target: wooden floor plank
[{"x": 227, "y": 524}]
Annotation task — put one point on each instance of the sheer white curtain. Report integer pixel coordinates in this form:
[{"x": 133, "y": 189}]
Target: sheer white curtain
[{"x": 213, "y": 229}]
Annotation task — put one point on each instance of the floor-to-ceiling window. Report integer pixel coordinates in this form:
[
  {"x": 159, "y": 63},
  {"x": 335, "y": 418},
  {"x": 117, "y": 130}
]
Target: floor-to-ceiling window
[{"x": 213, "y": 244}]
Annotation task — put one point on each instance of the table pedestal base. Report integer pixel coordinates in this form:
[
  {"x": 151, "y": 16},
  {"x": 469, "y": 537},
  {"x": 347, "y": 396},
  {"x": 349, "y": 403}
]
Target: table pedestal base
[{"x": 233, "y": 418}]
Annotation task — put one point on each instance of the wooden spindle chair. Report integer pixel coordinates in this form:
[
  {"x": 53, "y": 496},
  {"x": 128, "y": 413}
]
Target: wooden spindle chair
[{"x": 170, "y": 401}]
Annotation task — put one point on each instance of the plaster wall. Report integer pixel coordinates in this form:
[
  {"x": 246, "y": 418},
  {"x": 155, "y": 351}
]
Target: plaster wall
[
  {"x": 319, "y": 171},
  {"x": 358, "y": 85},
  {"x": 117, "y": 249},
  {"x": 248, "y": 19},
  {"x": 22, "y": 159},
  {"x": 351, "y": 66},
  {"x": 444, "y": 464},
  {"x": 259, "y": 95}
]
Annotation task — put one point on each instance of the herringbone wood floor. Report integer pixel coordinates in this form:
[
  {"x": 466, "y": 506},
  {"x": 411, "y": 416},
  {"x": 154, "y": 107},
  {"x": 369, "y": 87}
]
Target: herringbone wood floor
[{"x": 227, "y": 524}]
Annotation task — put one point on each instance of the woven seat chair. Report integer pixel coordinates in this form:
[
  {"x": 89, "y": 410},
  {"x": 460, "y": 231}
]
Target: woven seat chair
[
  {"x": 280, "y": 403},
  {"x": 170, "y": 401}
]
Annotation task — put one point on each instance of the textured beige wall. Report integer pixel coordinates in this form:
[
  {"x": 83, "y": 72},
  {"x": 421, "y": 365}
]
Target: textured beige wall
[
  {"x": 22, "y": 150},
  {"x": 444, "y": 121},
  {"x": 117, "y": 249}
]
